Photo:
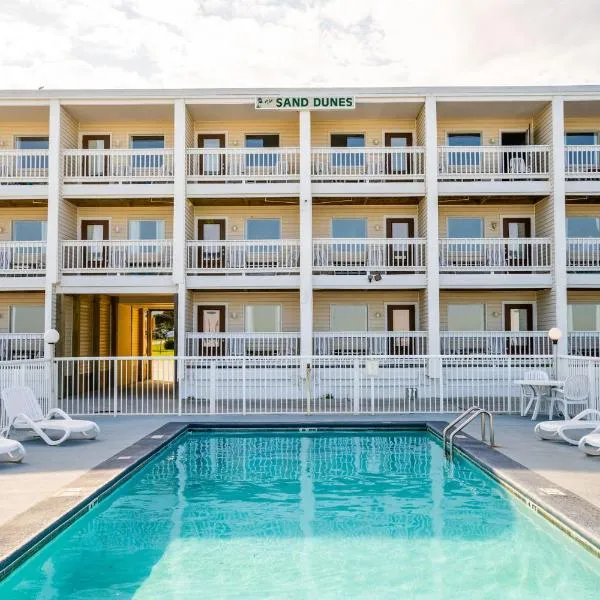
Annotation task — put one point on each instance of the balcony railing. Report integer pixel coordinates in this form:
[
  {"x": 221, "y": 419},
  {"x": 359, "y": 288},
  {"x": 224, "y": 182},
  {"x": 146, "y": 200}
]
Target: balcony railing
[
  {"x": 583, "y": 255},
  {"x": 242, "y": 344},
  {"x": 495, "y": 255},
  {"x": 259, "y": 165},
  {"x": 358, "y": 255},
  {"x": 118, "y": 166},
  {"x": 584, "y": 343},
  {"x": 117, "y": 257},
  {"x": 22, "y": 258},
  {"x": 23, "y": 166},
  {"x": 368, "y": 164},
  {"x": 494, "y": 163},
  {"x": 368, "y": 343},
  {"x": 243, "y": 256},
  {"x": 15, "y": 346},
  {"x": 582, "y": 162},
  {"x": 496, "y": 342}
]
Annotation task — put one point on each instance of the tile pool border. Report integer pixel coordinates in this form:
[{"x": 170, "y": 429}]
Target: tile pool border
[{"x": 27, "y": 532}]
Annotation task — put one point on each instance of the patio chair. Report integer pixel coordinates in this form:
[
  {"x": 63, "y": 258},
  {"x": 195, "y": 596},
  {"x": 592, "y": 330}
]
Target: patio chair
[
  {"x": 528, "y": 396},
  {"x": 11, "y": 450},
  {"x": 590, "y": 443},
  {"x": 575, "y": 391},
  {"x": 25, "y": 414},
  {"x": 555, "y": 430}
]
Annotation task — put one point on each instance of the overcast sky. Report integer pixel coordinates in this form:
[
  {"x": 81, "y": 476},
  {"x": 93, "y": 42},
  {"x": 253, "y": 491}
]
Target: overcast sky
[{"x": 231, "y": 43}]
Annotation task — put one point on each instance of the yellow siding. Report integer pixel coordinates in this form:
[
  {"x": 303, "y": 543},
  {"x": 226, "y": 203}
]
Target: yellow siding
[
  {"x": 544, "y": 218},
  {"x": 583, "y": 296},
  {"x": 68, "y": 130},
  {"x": 236, "y": 131},
  {"x": 373, "y": 129},
  {"x": 543, "y": 126},
  {"x": 583, "y": 210},
  {"x": 121, "y": 132},
  {"x": 67, "y": 222},
  {"x": 546, "y": 313},
  {"x": 8, "y": 299},
  {"x": 420, "y": 128},
  {"x": 9, "y": 130},
  {"x": 583, "y": 124},
  {"x": 421, "y": 228},
  {"x": 489, "y": 128},
  {"x": 19, "y": 213},
  {"x": 489, "y": 213}
]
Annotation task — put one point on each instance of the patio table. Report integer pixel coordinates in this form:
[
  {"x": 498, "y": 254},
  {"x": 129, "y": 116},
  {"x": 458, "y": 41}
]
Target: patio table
[{"x": 540, "y": 388}]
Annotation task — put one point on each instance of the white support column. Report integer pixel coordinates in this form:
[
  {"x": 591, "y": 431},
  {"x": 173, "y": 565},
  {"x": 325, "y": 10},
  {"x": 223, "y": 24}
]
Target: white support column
[
  {"x": 179, "y": 192},
  {"x": 181, "y": 316},
  {"x": 559, "y": 220},
  {"x": 306, "y": 291},
  {"x": 431, "y": 191}
]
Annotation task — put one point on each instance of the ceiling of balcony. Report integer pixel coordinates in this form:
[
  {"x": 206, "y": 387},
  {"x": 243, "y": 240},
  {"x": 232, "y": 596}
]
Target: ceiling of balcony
[
  {"x": 582, "y": 108},
  {"x": 102, "y": 113},
  {"x": 491, "y": 109},
  {"x": 31, "y": 114}
]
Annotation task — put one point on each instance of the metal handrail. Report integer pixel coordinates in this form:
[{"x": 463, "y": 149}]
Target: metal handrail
[{"x": 461, "y": 422}]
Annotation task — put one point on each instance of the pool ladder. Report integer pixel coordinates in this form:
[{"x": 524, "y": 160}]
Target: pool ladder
[{"x": 461, "y": 422}]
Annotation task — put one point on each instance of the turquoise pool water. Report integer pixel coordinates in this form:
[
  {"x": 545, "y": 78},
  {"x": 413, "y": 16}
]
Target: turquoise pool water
[{"x": 294, "y": 515}]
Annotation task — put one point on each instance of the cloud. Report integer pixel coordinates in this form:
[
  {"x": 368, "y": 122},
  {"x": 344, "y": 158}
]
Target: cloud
[{"x": 231, "y": 43}]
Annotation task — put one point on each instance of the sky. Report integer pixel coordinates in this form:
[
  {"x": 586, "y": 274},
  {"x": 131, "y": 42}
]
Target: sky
[{"x": 282, "y": 43}]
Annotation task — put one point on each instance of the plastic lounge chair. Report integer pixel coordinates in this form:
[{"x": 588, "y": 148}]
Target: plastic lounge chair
[
  {"x": 24, "y": 413},
  {"x": 575, "y": 391},
  {"x": 555, "y": 430},
  {"x": 590, "y": 443},
  {"x": 11, "y": 450}
]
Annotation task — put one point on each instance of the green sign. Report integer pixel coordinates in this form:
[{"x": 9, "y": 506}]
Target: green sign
[{"x": 304, "y": 102}]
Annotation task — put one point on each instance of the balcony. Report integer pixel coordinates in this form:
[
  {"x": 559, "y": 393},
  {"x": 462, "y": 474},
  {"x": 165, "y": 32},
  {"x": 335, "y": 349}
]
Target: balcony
[
  {"x": 369, "y": 343},
  {"x": 24, "y": 173},
  {"x": 584, "y": 343},
  {"x": 242, "y": 344},
  {"x": 583, "y": 261},
  {"x": 494, "y": 169},
  {"x": 495, "y": 342},
  {"x": 23, "y": 260},
  {"x": 16, "y": 346},
  {"x": 481, "y": 261},
  {"x": 582, "y": 169}
]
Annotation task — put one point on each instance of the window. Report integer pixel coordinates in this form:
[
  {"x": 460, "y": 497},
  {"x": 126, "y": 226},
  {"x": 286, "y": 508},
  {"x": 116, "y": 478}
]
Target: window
[
  {"x": 263, "y": 318},
  {"x": 582, "y": 159},
  {"x": 348, "y": 317},
  {"x": 584, "y": 317},
  {"x": 27, "y": 319},
  {"x": 349, "y": 228},
  {"x": 583, "y": 227},
  {"x": 463, "y": 227},
  {"x": 146, "y": 230},
  {"x": 348, "y": 140},
  {"x": 261, "y": 159},
  {"x": 148, "y": 160},
  {"x": 28, "y": 231},
  {"x": 263, "y": 229},
  {"x": 464, "y": 158},
  {"x": 580, "y": 139},
  {"x": 466, "y": 317},
  {"x": 32, "y": 160}
]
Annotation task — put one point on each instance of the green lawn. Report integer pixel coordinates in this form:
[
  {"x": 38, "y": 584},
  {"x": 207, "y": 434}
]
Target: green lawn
[{"x": 157, "y": 349}]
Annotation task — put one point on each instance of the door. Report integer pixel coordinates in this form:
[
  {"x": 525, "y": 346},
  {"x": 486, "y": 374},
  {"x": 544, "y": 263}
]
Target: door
[
  {"x": 514, "y": 161},
  {"x": 212, "y": 163},
  {"x": 211, "y": 256},
  {"x": 518, "y": 318},
  {"x": 401, "y": 317},
  {"x": 398, "y": 163},
  {"x": 94, "y": 256},
  {"x": 400, "y": 253},
  {"x": 96, "y": 163},
  {"x": 211, "y": 319},
  {"x": 518, "y": 253}
]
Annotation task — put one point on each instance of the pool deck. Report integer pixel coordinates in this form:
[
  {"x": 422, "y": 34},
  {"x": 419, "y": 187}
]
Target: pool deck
[{"x": 51, "y": 476}]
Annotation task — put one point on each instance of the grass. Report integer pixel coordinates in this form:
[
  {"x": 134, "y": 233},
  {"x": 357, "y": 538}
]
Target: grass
[{"x": 158, "y": 350}]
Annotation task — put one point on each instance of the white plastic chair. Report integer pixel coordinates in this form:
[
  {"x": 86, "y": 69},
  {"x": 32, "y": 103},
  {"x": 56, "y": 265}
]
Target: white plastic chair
[
  {"x": 11, "y": 450},
  {"x": 576, "y": 391},
  {"x": 555, "y": 430},
  {"x": 528, "y": 394},
  {"x": 24, "y": 413}
]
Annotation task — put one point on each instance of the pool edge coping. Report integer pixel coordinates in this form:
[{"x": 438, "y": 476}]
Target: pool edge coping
[{"x": 30, "y": 530}]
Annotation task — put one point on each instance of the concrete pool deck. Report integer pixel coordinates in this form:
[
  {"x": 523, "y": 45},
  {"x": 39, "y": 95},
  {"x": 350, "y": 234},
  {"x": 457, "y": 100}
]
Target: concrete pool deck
[{"x": 47, "y": 476}]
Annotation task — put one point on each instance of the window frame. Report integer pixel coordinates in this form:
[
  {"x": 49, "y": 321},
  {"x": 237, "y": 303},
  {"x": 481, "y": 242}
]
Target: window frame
[
  {"x": 279, "y": 316},
  {"x": 570, "y": 307},
  {"x": 131, "y": 221},
  {"x": 333, "y": 307},
  {"x": 44, "y": 223},
  {"x": 254, "y": 219},
  {"x": 470, "y": 306},
  {"x": 570, "y": 217},
  {"x": 453, "y": 218},
  {"x": 14, "y": 307},
  {"x": 364, "y": 219}
]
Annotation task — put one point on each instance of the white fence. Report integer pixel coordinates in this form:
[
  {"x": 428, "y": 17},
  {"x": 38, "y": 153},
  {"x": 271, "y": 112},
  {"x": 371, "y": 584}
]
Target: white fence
[
  {"x": 342, "y": 255},
  {"x": 494, "y": 163},
  {"x": 242, "y": 344},
  {"x": 22, "y": 258},
  {"x": 583, "y": 255},
  {"x": 582, "y": 162},
  {"x": 497, "y": 255},
  {"x": 370, "y": 343},
  {"x": 16, "y": 346},
  {"x": 520, "y": 343},
  {"x": 118, "y": 166},
  {"x": 243, "y": 256},
  {"x": 205, "y": 165},
  {"x": 117, "y": 256},
  {"x": 590, "y": 367},
  {"x": 368, "y": 164},
  {"x": 23, "y": 166},
  {"x": 584, "y": 343}
]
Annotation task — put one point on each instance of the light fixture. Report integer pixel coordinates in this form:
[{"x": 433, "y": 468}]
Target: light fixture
[
  {"x": 494, "y": 225},
  {"x": 555, "y": 334},
  {"x": 234, "y": 143},
  {"x": 233, "y": 315},
  {"x": 495, "y": 314},
  {"x": 375, "y": 142},
  {"x": 377, "y": 227},
  {"x": 51, "y": 336},
  {"x": 492, "y": 141},
  {"x": 117, "y": 143},
  {"x": 234, "y": 228},
  {"x": 374, "y": 277},
  {"x": 116, "y": 229},
  {"x": 378, "y": 315}
]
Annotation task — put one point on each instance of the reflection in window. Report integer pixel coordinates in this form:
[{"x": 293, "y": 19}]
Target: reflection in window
[
  {"x": 584, "y": 317},
  {"x": 27, "y": 319},
  {"x": 146, "y": 230},
  {"x": 147, "y": 142},
  {"x": 583, "y": 158},
  {"x": 583, "y": 227},
  {"x": 262, "y": 318},
  {"x": 29, "y": 231},
  {"x": 466, "y": 317},
  {"x": 349, "y": 228},
  {"x": 263, "y": 229},
  {"x": 463, "y": 227},
  {"x": 32, "y": 160},
  {"x": 348, "y": 140},
  {"x": 464, "y": 158},
  {"x": 262, "y": 159},
  {"x": 348, "y": 317}
]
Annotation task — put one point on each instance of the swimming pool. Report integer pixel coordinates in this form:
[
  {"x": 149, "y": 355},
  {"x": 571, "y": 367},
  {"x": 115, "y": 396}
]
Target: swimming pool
[{"x": 328, "y": 514}]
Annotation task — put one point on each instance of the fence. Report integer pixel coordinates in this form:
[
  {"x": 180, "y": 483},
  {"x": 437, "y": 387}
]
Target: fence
[{"x": 23, "y": 166}]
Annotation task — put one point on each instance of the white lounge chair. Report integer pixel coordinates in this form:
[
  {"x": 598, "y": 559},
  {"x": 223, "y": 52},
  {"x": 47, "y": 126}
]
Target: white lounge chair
[
  {"x": 590, "y": 443},
  {"x": 555, "y": 430},
  {"x": 575, "y": 391},
  {"x": 11, "y": 450},
  {"x": 24, "y": 413}
]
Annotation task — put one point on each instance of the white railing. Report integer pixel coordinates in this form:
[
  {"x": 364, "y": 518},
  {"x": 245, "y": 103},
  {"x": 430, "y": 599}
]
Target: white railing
[
  {"x": 493, "y": 163},
  {"x": 23, "y": 166},
  {"x": 22, "y": 258},
  {"x": 117, "y": 257},
  {"x": 582, "y": 162},
  {"x": 368, "y": 164},
  {"x": 495, "y": 342},
  {"x": 15, "y": 346},
  {"x": 588, "y": 366},
  {"x": 583, "y": 254},
  {"x": 118, "y": 166},
  {"x": 372, "y": 254},
  {"x": 243, "y": 256},
  {"x": 370, "y": 343},
  {"x": 584, "y": 343},
  {"x": 206, "y": 165},
  {"x": 242, "y": 344},
  {"x": 498, "y": 255}
]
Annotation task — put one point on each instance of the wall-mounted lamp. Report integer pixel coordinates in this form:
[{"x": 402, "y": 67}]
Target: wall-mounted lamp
[
  {"x": 117, "y": 143},
  {"x": 492, "y": 141},
  {"x": 116, "y": 229},
  {"x": 235, "y": 143},
  {"x": 494, "y": 225},
  {"x": 2, "y": 143},
  {"x": 495, "y": 314},
  {"x": 374, "y": 277},
  {"x": 377, "y": 227},
  {"x": 378, "y": 315},
  {"x": 233, "y": 315},
  {"x": 1, "y": 229},
  {"x": 234, "y": 228},
  {"x": 376, "y": 142}
]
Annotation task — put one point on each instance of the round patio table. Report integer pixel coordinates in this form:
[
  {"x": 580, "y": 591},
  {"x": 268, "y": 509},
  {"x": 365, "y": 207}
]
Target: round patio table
[{"x": 539, "y": 388}]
